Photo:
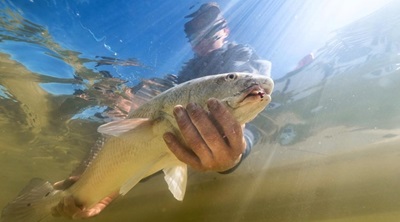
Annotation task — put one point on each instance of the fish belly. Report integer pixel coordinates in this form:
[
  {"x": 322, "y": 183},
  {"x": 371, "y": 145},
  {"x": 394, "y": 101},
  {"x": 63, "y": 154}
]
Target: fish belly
[{"x": 122, "y": 163}]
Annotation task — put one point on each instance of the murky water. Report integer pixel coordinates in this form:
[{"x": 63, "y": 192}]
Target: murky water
[{"x": 330, "y": 147}]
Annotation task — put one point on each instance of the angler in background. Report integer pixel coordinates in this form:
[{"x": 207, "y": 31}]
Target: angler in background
[{"x": 207, "y": 32}]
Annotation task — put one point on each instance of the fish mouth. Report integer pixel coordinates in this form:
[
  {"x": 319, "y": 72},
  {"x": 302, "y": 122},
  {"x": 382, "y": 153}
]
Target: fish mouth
[{"x": 256, "y": 93}]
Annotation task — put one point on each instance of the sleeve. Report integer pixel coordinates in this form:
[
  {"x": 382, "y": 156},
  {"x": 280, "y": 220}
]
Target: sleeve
[
  {"x": 251, "y": 139},
  {"x": 242, "y": 58},
  {"x": 262, "y": 66},
  {"x": 186, "y": 73}
]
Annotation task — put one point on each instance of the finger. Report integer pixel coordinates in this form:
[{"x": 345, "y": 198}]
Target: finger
[
  {"x": 96, "y": 209},
  {"x": 87, "y": 213},
  {"x": 231, "y": 128},
  {"x": 59, "y": 185},
  {"x": 65, "y": 184},
  {"x": 190, "y": 133},
  {"x": 55, "y": 211},
  {"x": 205, "y": 126},
  {"x": 58, "y": 211},
  {"x": 214, "y": 153},
  {"x": 70, "y": 208},
  {"x": 181, "y": 152},
  {"x": 214, "y": 149}
]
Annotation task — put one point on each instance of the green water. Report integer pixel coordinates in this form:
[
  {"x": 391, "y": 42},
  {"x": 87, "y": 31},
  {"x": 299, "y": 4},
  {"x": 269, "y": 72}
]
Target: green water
[{"x": 336, "y": 163}]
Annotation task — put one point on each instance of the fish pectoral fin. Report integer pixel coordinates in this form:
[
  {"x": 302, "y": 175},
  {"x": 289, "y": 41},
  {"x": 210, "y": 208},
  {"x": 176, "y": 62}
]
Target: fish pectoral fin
[
  {"x": 118, "y": 127},
  {"x": 176, "y": 178}
]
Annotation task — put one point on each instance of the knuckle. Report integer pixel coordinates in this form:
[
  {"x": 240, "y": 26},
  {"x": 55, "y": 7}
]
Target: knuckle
[
  {"x": 197, "y": 115},
  {"x": 198, "y": 166},
  {"x": 213, "y": 138},
  {"x": 184, "y": 124},
  {"x": 219, "y": 109}
]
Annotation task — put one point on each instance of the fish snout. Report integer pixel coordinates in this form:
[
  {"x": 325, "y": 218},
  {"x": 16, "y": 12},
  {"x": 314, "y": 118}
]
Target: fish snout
[
  {"x": 258, "y": 91},
  {"x": 268, "y": 86},
  {"x": 262, "y": 87}
]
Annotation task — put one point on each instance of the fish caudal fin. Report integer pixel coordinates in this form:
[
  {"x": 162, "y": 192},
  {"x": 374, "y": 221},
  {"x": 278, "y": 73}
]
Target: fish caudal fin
[
  {"x": 33, "y": 203},
  {"x": 176, "y": 178}
]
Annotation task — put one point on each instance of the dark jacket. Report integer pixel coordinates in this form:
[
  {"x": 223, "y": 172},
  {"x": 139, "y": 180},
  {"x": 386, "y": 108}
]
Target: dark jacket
[{"x": 230, "y": 58}]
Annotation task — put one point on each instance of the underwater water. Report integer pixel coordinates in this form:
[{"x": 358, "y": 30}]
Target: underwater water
[{"x": 330, "y": 140}]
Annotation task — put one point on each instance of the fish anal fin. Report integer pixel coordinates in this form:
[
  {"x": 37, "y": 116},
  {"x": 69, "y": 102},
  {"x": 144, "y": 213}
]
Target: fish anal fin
[
  {"x": 118, "y": 127},
  {"x": 176, "y": 178}
]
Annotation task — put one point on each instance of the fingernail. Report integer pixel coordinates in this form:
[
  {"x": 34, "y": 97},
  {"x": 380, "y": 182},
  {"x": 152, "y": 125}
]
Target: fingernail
[
  {"x": 179, "y": 111},
  {"x": 167, "y": 138},
  {"x": 212, "y": 104},
  {"x": 192, "y": 107},
  {"x": 68, "y": 200}
]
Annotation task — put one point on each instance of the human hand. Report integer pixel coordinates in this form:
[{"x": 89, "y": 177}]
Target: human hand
[
  {"x": 68, "y": 208},
  {"x": 214, "y": 139}
]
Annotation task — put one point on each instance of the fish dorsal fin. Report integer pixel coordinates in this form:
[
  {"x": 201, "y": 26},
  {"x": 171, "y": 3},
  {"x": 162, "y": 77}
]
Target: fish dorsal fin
[
  {"x": 176, "y": 178},
  {"x": 118, "y": 127}
]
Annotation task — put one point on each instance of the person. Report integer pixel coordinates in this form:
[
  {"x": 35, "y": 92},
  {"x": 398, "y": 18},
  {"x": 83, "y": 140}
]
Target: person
[{"x": 207, "y": 33}]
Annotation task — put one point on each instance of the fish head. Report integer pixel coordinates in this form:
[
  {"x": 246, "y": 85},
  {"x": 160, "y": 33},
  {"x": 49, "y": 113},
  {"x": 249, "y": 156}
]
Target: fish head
[
  {"x": 244, "y": 94},
  {"x": 251, "y": 93}
]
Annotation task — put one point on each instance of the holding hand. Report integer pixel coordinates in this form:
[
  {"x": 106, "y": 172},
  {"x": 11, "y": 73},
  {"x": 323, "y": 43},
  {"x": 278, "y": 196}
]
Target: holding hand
[
  {"x": 214, "y": 139},
  {"x": 68, "y": 208}
]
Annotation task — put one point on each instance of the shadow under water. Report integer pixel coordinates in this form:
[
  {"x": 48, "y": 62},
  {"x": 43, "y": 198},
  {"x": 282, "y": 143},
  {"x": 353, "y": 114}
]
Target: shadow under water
[{"x": 329, "y": 149}]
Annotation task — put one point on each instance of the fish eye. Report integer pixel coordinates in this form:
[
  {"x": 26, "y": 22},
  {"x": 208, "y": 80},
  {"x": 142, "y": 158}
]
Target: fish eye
[{"x": 231, "y": 76}]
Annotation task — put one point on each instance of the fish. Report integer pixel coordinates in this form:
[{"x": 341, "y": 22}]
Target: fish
[{"x": 134, "y": 148}]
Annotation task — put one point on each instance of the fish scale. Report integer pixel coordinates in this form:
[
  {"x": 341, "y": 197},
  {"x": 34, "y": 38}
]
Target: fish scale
[
  {"x": 134, "y": 147},
  {"x": 117, "y": 163}
]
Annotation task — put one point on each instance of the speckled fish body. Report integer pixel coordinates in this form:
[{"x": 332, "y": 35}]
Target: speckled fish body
[{"x": 134, "y": 147}]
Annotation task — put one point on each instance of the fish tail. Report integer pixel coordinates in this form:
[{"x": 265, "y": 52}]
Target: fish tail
[{"x": 33, "y": 203}]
